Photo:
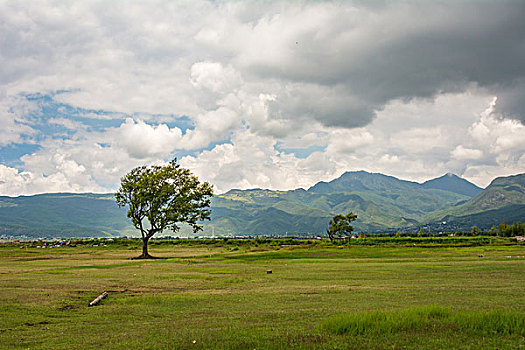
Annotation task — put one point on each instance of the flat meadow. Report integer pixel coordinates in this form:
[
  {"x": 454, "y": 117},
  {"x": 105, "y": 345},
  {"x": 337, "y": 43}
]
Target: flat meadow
[{"x": 219, "y": 294}]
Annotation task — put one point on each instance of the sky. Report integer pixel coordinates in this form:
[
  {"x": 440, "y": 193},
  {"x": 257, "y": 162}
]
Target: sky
[{"x": 259, "y": 94}]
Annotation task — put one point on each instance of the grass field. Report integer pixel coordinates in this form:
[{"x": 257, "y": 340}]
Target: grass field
[{"x": 220, "y": 295}]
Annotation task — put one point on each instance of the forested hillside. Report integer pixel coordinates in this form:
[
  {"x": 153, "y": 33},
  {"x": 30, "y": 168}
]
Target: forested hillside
[{"x": 382, "y": 203}]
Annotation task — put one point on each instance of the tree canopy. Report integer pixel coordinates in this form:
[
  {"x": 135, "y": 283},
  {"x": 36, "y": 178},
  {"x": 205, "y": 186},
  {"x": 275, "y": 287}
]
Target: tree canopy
[
  {"x": 163, "y": 197},
  {"x": 340, "y": 226}
]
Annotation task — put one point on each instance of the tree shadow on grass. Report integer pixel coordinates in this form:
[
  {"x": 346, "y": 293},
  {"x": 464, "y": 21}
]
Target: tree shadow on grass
[{"x": 149, "y": 257}]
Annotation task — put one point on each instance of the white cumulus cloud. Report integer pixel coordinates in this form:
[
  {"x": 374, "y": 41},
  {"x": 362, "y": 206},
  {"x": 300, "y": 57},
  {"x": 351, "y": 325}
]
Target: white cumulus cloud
[
  {"x": 463, "y": 153},
  {"x": 411, "y": 89},
  {"x": 141, "y": 140}
]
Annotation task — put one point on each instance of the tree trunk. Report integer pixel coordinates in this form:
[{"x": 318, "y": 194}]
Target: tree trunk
[{"x": 145, "y": 254}]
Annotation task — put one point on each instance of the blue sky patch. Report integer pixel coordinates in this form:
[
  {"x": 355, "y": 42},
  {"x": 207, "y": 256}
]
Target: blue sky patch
[
  {"x": 300, "y": 152},
  {"x": 10, "y": 155},
  {"x": 50, "y": 119}
]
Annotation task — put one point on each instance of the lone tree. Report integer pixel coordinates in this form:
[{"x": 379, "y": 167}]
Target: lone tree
[
  {"x": 161, "y": 197},
  {"x": 340, "y": 226}
]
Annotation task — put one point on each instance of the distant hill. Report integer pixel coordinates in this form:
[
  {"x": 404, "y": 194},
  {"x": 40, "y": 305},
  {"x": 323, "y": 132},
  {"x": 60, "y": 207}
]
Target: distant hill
[
  {"x": 453, "y": 183},
  {"x": 383, "y": 204},
  {"x": 362, "y": 181},
  {"x": 62, "y": 215},
  {"x": 502, "y": 192},
  {"x": 503, "y": 199}
]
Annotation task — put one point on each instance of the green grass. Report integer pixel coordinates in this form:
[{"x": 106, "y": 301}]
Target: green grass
[
  {"x": 427, "y": 319},
  {"x": 319, "y": 295}
]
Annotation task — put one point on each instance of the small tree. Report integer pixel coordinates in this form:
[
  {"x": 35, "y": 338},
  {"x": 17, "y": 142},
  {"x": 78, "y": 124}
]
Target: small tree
[
  {"x": 161, "y": 197},
  {"x": 340, "y": 226}
]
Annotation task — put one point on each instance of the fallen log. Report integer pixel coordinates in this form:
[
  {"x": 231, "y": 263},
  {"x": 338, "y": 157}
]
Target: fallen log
[{"x": 98, "y": 299}]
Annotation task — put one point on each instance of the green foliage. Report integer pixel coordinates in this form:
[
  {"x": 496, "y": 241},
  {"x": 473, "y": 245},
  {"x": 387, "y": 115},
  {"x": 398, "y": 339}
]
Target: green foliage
[
  {"x": 162, "y": 197},
  {"x": 516, "y": 229},
  {"x": 340, "y": 226}
]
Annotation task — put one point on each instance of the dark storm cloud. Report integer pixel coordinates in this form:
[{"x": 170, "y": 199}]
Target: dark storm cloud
[
  {"x": 511, "y": 101},
  {"x": 330, "y": 104},
  {"x": 402, "y": 51}
]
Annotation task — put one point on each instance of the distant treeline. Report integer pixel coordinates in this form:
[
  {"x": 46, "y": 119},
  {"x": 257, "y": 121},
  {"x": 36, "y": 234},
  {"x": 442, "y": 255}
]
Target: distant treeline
[
  {"x": 516, "y": 229},
  {"x": 250, "y": 243},
  {"x": 502, "y": 230}
]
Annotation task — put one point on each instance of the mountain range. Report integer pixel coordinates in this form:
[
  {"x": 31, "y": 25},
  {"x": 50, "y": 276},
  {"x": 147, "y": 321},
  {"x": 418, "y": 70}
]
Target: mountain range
[
  {"x": 503, "y": 200},
  {"x": 383, "y": 204}
]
